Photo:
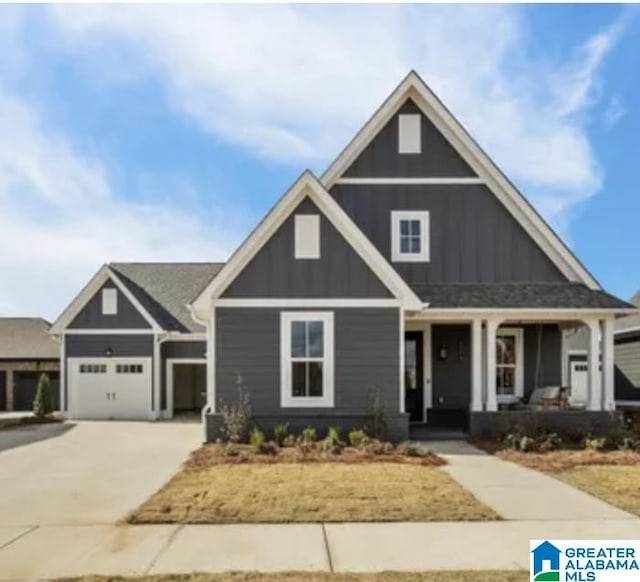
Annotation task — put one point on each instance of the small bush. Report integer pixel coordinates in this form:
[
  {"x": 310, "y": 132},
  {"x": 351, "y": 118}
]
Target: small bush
[
  {"x": 309, "y": 435},
  {"x": 357, "y": 437},
  {"x": 377, "y": 427},
  {"x": 332, "y": 443},
  {"x": 231, "y": 450},
  {"x": 259, "y": 444},
  {"x": 42, "y": 404},
  {"x": 549, "y": 442},
  {"x": 236, "y": 415},
  {"x": 528, "y": 444},
  {"x": 376, "y": 447},
  {"x": 289, "y": 441},
  {"x": 305, "y": 447},
  {"x": 280, "y": 433},
  {"x": 596, "y": 443},
  {"x": 413, "y": 450}
]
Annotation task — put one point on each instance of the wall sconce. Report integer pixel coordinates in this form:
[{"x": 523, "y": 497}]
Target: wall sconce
[
  {"x": 443, "y": 352},
  {"x": 108, "y": 352}
]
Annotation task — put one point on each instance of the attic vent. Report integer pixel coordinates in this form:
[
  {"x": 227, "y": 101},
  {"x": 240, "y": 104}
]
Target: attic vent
[
  {"x": 307, "y": 236},
  {"x": 409, "y": 135}
]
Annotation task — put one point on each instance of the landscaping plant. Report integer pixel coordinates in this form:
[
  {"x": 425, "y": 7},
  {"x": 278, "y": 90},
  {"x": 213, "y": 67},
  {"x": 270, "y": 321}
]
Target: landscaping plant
[
  {"x": 309, "y": 435},
  {"x": 280, "y": 434},
  {"x": 332, "y": 443},
  {"x": 42, "y": 404},
  {"x": 259, "y": 444},
  {"x": 357, "y": 437},
  {"x": 235, "y": 416},
  {"x": 377, "y": 415}
]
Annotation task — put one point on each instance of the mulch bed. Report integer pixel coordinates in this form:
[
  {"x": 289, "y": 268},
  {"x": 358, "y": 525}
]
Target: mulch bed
[{"x": 213, "y": 454}]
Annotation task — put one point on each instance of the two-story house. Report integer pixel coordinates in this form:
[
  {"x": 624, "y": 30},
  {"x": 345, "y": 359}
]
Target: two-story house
[{"x": 411, "y": 276}]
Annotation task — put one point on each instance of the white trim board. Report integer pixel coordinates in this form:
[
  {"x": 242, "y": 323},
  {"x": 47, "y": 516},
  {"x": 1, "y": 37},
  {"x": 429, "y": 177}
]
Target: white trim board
[
  {"x": 415, "y": 88},
  {"x": 626, "y": 330},
  {"x": 109, "y": 331},
  {"x": 90, "y": 289},
  {"x": 306, "y": 186}
]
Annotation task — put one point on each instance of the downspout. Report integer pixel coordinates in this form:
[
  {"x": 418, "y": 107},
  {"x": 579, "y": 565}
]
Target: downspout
[
  {"x": 63, "y": 374},
  {"x": 208, "y": 407},
  {"x": 159, "y": 338}
]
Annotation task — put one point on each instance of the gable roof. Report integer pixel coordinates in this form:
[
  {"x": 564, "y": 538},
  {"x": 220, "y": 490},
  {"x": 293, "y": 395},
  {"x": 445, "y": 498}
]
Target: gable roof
[
  {"x": 415, "y": 88},
  {"x": 159, "y": 291},
  {"x": 27, "y": 337},
  {"x": 165, "y": 289},
  {"x": 307, "y": 185}
]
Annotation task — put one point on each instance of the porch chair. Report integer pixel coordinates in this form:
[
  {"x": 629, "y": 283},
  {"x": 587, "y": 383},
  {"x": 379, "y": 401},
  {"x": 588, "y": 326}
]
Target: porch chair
[{"x": 548, "y": 398}]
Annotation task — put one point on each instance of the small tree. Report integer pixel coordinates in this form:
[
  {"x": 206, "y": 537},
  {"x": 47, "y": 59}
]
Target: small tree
[{"x": 42, "y": 404}]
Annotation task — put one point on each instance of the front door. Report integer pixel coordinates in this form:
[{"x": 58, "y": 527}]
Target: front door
[{"x": 413, "y": 376}]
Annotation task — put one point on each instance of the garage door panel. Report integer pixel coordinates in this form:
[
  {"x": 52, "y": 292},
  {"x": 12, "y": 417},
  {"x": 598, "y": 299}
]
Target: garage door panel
[{"x": 110, "y": 389}]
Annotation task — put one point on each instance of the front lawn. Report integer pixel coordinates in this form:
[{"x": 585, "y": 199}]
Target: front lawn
[
  {"x": 212, "y": 488},
  {"x": 435, "y": 576},
  {"x": 612, "y": 476}
]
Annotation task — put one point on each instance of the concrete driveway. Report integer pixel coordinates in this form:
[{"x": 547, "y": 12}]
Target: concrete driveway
[{"x": 88, "y": 472}]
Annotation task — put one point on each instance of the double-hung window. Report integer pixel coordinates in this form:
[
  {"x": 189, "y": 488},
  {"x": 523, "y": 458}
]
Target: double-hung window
[
  {"x": 306, "y": 359},
  {"x": 410, "y": 236}
]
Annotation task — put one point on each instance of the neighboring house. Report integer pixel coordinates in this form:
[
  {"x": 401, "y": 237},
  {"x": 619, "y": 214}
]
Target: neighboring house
[
  {"x": 626, "y": 358},
  {"x": 26, "y": 350},
  {"x": 412, "y": 271}
]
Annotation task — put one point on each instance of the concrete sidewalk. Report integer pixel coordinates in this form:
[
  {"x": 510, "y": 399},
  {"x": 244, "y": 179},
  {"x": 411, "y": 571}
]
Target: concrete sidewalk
[
  {"x": 55, "y": 551},
  {"x": 518, "y": 493}
]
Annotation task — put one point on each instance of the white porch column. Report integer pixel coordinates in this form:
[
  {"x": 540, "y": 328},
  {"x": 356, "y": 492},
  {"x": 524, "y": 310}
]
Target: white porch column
[
  {"x": 211, "y": 362},
  {"x": 595, "y": 393},
  {"x": 608, "y": 393},
  {"x": 492, "y": 399},
  {"x": 476, "y": 365}
]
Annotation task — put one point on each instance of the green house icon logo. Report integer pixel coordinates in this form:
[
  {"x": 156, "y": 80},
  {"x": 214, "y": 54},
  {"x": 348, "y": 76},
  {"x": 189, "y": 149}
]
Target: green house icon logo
[{"x": 546, "y": 563}]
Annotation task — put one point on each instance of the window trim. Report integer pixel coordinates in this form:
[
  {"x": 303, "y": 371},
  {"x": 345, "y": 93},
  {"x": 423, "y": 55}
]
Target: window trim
[
  {"x": 307, "y": 236},
  {"x": 287, "y": 400},
  {"x": 518, "y": 390},
  {"x": 409, "y": 133},
  {"x": 109, "y": 301},
  {"x": 423, "y": 216}
]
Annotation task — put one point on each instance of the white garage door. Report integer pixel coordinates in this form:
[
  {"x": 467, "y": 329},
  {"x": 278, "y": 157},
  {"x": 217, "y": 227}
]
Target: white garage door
[{"x": 102, "y": 388}]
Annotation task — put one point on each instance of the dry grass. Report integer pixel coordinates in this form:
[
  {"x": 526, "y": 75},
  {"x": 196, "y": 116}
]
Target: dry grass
[
  {"x": 435, "y": 576},
  {"x": 310, "y": 492}
]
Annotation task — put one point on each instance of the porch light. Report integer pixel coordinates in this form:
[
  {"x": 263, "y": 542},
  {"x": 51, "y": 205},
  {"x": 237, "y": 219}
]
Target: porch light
[{"x": 108, "y": 352}]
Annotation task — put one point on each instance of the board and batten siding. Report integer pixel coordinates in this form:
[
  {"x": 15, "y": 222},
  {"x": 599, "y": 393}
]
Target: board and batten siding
[
  {"x": 627, "y": 360},
  {"x": 472, "y": 237},
  {"x": 380, "y": 159},
  {"x": 91, "y": 317},
  {"x": 366, "y": 358},
  {"x": 274, "y": 272}
]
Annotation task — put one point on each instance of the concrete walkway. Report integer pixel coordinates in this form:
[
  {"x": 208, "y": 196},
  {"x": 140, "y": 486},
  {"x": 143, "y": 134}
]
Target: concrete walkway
[{"x": 518, "y": 493}]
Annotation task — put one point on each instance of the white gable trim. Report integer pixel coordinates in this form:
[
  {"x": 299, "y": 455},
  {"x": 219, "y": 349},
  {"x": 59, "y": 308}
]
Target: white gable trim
[
  {"x": 91, "y": 288},
  {"x": 415, "y": 88},
  {"x": 306, "y": 185}
]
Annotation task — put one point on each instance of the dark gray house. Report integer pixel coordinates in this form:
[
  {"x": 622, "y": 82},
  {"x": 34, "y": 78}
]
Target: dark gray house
[{"x": 412, "y": 271}]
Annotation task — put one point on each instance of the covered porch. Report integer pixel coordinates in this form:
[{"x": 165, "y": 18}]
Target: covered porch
[{"x": 476, "y": 370}]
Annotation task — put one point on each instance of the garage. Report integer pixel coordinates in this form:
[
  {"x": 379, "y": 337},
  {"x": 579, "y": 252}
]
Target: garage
[
  {"x": 105, "y": 388},
  {"x": 25, "y": 386}
]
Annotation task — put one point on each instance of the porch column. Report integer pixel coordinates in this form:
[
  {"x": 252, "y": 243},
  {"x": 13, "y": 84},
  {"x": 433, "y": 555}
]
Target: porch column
[
  {"x": 595, "y": 394},
  {"x": 492, "y": 399},
  {"x": 476, "y": 365},
  {"x": 608, "y": 392}
]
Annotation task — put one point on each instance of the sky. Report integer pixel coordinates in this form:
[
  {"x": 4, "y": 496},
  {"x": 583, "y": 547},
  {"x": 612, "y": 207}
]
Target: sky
[{"x": 165, "y": 133}]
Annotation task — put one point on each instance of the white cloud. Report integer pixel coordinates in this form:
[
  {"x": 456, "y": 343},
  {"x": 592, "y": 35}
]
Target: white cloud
[
  {"x": 61, "y": 219},
  {"x": 614, "y": 112},
  {"x": 293, "y": 83}
]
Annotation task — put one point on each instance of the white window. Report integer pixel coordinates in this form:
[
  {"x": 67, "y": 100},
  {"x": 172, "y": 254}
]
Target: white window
[
  {"x": 109, "y": 301},
  {"x": 306, "y": 351},
  {"x": 509, "y": 364},
  {"x": 409, "y": 135},
  {"x": 307, "y": 236},
  {"x": 410, "y": 236}
]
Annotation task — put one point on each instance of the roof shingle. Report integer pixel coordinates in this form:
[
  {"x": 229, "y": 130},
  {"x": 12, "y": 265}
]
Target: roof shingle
[{"x": 27, "y": 337}]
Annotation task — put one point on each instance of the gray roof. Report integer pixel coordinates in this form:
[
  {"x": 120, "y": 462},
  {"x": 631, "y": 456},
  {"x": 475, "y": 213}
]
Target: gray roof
[
  {"x": 630, "y": 321},
  {"x": 517, "y": 295},
  {"x": 165, "y": 289},
  {"x": 27, "y": 337}
]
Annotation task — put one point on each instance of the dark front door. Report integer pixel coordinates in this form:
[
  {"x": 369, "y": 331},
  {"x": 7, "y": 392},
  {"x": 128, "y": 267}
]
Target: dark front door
[
  {"x": 451, "y": 371},
  {"x": 413, "y": 376}
]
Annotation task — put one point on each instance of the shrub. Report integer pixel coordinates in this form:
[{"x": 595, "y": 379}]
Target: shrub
[
  {"x": 520, "y": 442},
  {"x": 376, "y": 447},
  {"x": 332, "y": 443},
  {"x": 259, "y": 444},
  {"x": 280, "y": 433},
  {"x": 42, "y": 404},
  {"x": 413, "y": 450},
  {"x": 377, "y": 415},
  {"x": 596, "y": 443},
  {"x": 289, "y": 441},
  {"x": 357, "y": 437},
  {"x": 235, "y": 416},
  {"x": 309, "y": 435},
  {"x": 549, "y": 442},
  {"x": 231, "y": 450},
  {"x": 528, "y": 444}
]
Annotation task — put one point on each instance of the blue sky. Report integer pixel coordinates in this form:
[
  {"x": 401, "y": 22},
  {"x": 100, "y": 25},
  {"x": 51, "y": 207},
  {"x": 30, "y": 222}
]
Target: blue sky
[{"x": 165, "y": 133}]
